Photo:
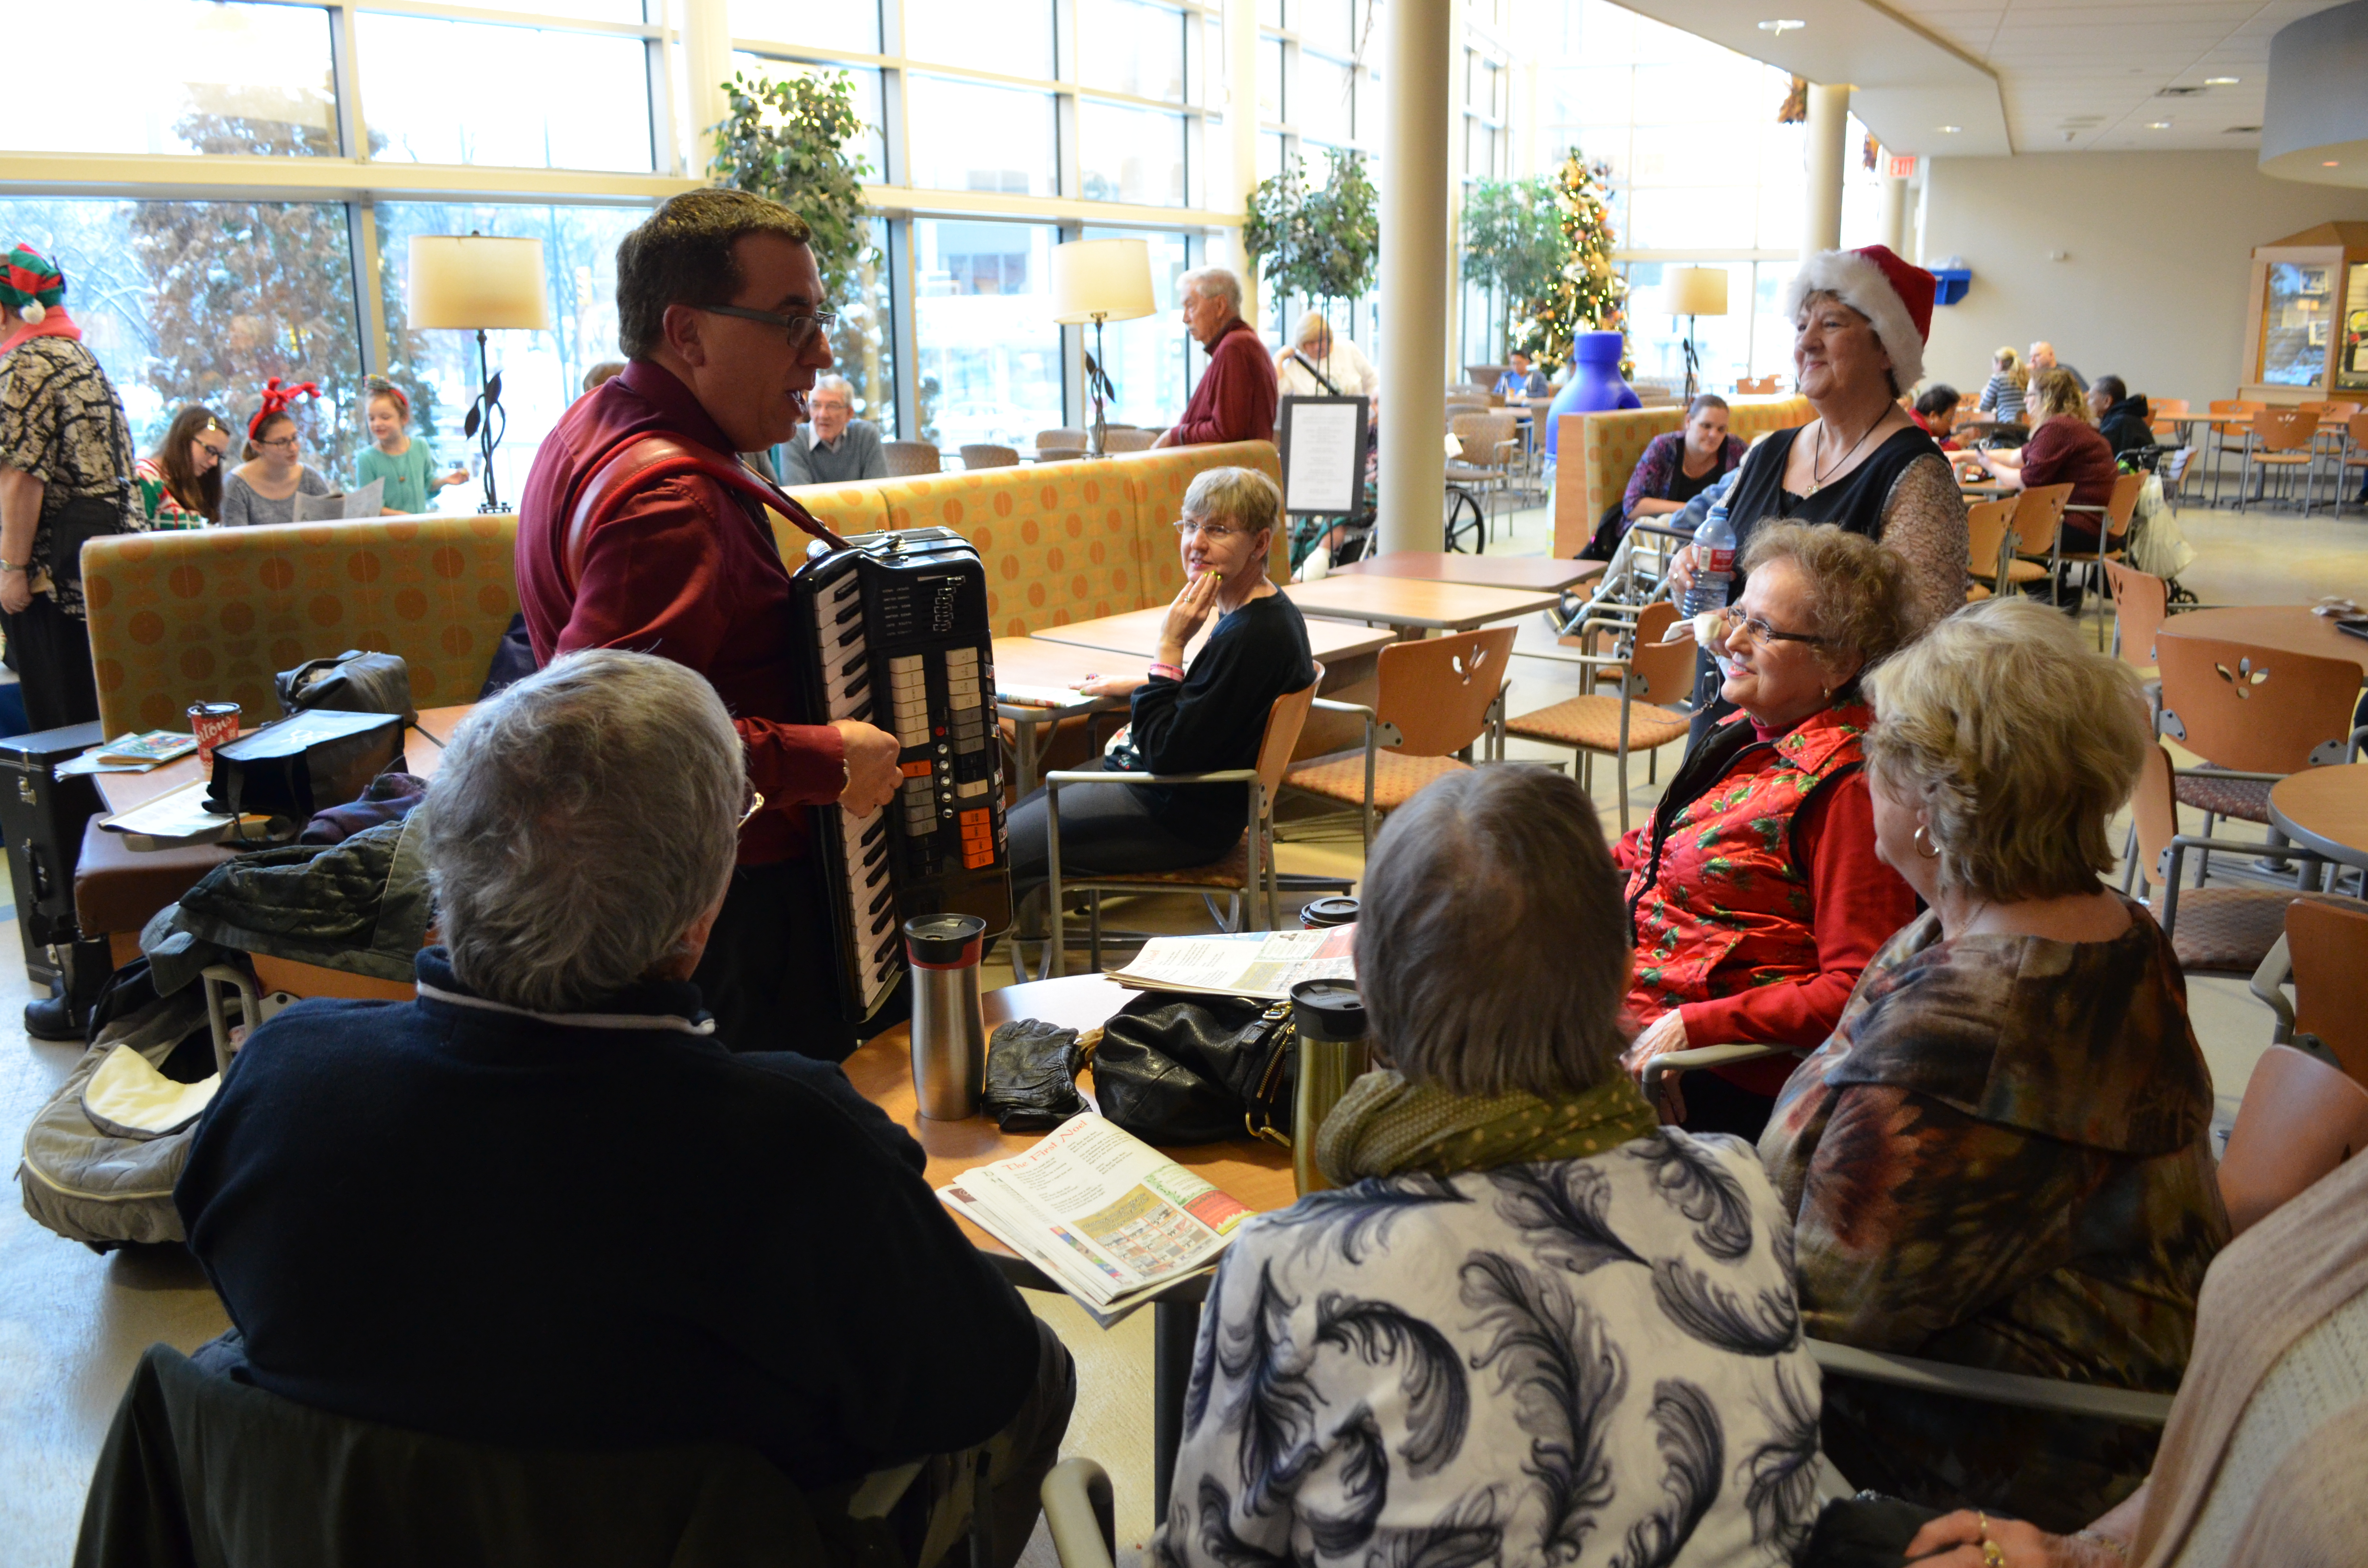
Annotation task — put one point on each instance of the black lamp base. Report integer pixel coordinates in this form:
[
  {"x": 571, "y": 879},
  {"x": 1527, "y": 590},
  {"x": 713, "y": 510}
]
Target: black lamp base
[{"x": 486, "y": 422}]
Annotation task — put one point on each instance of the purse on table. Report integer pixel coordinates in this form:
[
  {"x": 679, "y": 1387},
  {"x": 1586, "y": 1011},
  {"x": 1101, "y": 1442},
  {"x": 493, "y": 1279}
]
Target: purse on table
[
  {"x": 353, "y": 682},
  {"x": 1200, "y": 1070}
]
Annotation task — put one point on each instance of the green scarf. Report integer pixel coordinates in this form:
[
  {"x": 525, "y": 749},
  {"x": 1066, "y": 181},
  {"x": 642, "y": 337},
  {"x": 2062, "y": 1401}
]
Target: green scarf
[{"x": 1385, "y": 1125}]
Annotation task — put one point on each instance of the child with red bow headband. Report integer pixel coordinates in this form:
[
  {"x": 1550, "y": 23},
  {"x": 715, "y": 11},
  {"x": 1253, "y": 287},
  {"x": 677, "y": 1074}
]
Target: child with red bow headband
[{"x": 406, "y": 466}]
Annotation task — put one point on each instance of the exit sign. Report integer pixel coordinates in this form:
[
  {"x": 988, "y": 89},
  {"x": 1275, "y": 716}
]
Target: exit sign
[{"x": 1900, "y": 165}]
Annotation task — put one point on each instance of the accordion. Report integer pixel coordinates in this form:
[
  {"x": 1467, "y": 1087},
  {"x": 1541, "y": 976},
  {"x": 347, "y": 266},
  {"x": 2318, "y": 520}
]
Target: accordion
[{"x": 892, "y": 632}]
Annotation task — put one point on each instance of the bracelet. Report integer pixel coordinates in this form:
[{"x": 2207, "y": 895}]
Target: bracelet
[
  {"x": 1169, "y": 671},
  {"x": 8, "y": 566}
]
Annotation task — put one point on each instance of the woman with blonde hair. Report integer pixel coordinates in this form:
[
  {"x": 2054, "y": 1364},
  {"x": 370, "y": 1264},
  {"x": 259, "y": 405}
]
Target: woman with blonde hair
[
  {"x": 2001, "y": 1159},
  {"x": 2002, "y": 397},
  {"x": 1320, "y": 364}
]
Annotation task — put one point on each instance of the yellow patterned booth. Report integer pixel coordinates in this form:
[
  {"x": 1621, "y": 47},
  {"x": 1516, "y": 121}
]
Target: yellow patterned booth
[
  {"x": 211, "y": 615},
  {"x": 1596, "y": 452}
]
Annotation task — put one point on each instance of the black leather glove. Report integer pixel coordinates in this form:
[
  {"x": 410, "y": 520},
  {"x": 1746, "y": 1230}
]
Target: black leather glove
[{"x": 1032, "y": 1075}]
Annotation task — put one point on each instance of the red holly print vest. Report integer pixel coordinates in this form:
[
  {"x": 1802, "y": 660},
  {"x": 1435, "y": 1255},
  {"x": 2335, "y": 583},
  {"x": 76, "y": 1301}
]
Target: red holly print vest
[{"x": 1721, "y": 900}]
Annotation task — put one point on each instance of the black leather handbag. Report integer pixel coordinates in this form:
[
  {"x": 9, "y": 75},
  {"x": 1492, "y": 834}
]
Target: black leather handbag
[
  {"x": 353, "y": 682},
  {"x": 1174, "y": 1070}
]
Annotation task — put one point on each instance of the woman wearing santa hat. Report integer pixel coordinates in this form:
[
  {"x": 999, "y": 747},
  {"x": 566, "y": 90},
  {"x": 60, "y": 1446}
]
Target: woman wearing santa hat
[
  {"x": 1860, "y": 321},
  {"x": 65, "y": 477}
]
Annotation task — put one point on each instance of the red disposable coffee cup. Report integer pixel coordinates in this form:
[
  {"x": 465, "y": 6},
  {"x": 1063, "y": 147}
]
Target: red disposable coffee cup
[{"x": 214, "y": 724}]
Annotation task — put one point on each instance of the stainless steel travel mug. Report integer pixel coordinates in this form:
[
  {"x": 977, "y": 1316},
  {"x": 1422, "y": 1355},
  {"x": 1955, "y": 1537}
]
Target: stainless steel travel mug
[
  {"x": 1334, "y": 1053},
  {"x": 949, "y": 1033},
  {"x": 1327, "y": 912}
]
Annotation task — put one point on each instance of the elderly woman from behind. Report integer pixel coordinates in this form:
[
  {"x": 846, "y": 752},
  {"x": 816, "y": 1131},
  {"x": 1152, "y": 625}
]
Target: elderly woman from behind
[
  {"x": 1751, "y": 895},
  {"x": 1528, "y": 1325},
  {"x": 2001, "y": 1158}
]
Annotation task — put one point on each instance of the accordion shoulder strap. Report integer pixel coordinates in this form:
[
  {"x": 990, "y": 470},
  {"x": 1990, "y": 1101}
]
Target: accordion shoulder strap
[{"x": 642, "y": 460}]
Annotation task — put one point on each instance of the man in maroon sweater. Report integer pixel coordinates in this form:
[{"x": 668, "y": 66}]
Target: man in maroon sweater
[
  {"x": 719, "y": 309},
  {"x": 1235, "y": 401}
]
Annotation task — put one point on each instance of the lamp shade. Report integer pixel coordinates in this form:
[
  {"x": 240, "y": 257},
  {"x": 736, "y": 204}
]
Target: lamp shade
[
  {"x": 476, "y": 282},
  {"x": 1694, "y": 290},
  {"x": 1109, "y": 279}
]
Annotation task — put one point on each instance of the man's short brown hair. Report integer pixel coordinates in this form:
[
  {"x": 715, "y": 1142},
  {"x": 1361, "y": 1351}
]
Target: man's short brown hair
[
  {"x": 682, "y": 256},
  {"x": 1492, "y": 949}
]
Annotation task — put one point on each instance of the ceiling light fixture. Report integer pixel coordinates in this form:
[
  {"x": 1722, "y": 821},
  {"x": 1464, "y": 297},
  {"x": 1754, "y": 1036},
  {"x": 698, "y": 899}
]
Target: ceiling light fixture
[
  {"x": 1779, "y": 26},
  {"x": 2330, "y": 163},
  {"x": 1947, "y": 130},
  {"x": 2220, "y": 81},
  {"x": 2157, "y": 125}
]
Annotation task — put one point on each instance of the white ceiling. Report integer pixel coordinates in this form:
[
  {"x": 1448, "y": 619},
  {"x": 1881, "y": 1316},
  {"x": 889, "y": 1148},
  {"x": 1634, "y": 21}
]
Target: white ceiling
[{"x": 2019, "y": 75}]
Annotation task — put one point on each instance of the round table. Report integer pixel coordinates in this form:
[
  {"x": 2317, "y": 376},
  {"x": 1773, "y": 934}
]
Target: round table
[
  {"x": 2289, "y": 628},
  {"x": 2325, "y": 811}
]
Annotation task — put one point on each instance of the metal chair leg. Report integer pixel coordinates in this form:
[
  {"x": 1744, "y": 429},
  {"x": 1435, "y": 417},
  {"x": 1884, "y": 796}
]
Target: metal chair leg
[{"x": 1093, "y": 929}]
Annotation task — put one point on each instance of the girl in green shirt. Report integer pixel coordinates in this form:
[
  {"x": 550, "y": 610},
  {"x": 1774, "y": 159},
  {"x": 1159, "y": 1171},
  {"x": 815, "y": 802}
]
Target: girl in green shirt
[{"x": 407, "y": 466}]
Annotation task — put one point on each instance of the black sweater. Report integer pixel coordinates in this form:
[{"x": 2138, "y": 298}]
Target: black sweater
[
  {"x": 490, "y": 1225},
  {"x": 1212, "y": 719}
]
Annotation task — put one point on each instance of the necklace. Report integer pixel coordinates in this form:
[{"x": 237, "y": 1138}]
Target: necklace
[{"x": 1817, "y": 477}]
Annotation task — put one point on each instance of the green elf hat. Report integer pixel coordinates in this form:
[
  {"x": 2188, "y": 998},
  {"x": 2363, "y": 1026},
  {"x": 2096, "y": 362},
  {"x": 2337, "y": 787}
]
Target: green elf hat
[{"x": 31, "y": 283}]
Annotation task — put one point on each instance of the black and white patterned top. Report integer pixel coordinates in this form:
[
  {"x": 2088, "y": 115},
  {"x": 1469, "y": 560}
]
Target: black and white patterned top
[
  {"x": 1564, "y": 1365},
  {"x": 61, "y": 422}
]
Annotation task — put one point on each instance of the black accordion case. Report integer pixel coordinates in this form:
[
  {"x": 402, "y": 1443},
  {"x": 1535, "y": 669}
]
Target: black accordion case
[{"x": 892, "y": 632}]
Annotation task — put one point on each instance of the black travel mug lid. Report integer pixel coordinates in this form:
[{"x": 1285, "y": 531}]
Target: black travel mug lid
[
  {"x": 944, "y": 941},
  {"x": 1328, "y": 1009},
  {"x": 1322, "y": 912}
]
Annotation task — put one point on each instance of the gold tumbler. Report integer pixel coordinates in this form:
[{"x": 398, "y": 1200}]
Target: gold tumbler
[{"x": 1334, "y": 1053}]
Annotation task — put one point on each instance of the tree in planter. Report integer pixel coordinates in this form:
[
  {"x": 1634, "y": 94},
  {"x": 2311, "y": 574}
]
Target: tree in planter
[
  {"x": 1275, "y": 235},
  {"x": 1512, "y": 245},
  {"x": 786, "y": 140},
  {"x": 1587, "y": 296},
  {"x": 1343, "y": 232}
]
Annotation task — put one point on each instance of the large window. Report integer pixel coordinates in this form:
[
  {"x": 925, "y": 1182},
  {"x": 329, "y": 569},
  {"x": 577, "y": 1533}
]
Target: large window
[
  {"x": 987, "y": 349},
  {"x": 197, "y": 302},
  {"x": 968, "y": 136},
  {"x": 872, "y": 143},
  {"x": 1150, "y": 359},
  {"x": 543, "y": 373},
  {"x": 170, "y": 77},
  {"x": 1132, "y": 46},
  {"x": 446, "y": 93},
  {"x": 1131, "y": 155},
  {"x": 842, "y": 24},
  {"x": 1013, "y": 38}
]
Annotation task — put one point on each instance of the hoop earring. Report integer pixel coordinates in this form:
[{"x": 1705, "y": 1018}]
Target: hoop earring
[{"x": 1924, "y": 845}]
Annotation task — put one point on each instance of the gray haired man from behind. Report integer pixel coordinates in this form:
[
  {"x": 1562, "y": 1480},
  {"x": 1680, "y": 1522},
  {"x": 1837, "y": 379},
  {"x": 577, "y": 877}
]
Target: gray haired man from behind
[{"x": 542, "y": 1206}]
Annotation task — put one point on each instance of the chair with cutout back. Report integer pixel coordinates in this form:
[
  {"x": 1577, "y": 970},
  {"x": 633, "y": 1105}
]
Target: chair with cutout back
[
  {"x": 1647, "y": 681},
  {"x": 1436, "y": 699}
]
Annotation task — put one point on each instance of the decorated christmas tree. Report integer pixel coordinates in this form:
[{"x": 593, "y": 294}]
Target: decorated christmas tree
[{"x": 1588, "y": 295}]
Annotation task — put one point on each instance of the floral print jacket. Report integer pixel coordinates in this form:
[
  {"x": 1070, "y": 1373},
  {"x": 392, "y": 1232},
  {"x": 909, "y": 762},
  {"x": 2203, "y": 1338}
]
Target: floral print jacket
[{"x": 2001, "y": 1159}]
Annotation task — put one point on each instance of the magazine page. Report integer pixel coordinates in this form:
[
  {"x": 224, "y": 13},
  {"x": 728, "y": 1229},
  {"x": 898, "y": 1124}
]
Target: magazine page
[
  {"x": 1260, "y": 964},
  {"x": 1108, "y": 1216}
]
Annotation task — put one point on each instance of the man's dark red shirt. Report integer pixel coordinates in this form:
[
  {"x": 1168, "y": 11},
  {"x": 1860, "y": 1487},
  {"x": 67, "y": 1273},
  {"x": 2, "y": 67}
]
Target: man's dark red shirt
[
  {"x": 1236, "y": 399},
  {"x": 685, "y": 570}
]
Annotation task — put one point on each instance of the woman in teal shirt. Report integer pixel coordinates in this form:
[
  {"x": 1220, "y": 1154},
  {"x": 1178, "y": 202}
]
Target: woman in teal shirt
[{"x": 407, "y": 466}]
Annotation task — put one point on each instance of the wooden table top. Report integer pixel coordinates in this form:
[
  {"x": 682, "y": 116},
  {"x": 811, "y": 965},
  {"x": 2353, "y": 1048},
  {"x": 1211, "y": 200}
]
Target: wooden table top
[
  {"x": 1541, "y": 574},
  {"x": 1257, "y": 1173},
  {"x": 2325, "y": 810},
  {"x": 2290, "y": 628},
  {"x": 1037, "y": 662},
  {"x": 1136, "y": 633},
  {"x": 423, "y": 746},
  {"x": 1406, "y": 602}
]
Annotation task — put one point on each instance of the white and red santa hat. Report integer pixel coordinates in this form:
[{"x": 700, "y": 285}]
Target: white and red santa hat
[{"x": 1894, "y": 293}]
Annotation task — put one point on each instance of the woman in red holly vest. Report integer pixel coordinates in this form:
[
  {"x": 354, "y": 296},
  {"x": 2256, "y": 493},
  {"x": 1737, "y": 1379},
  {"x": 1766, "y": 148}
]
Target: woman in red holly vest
[{"x": 1754, "y": 893}]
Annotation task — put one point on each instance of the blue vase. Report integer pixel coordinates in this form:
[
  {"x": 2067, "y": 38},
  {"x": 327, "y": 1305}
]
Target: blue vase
[{"x": 1594, "y": 386}]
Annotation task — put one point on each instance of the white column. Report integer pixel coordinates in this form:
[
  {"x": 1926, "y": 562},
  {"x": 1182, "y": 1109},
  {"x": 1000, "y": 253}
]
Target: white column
[
  {"x": 707, "y": 64},
  {"x": 1418, "y": 72},
  {"x": 1892, "y": 221},
  {"x": 1234, "y": 178},
  {"x": 1828, "y": 128}
]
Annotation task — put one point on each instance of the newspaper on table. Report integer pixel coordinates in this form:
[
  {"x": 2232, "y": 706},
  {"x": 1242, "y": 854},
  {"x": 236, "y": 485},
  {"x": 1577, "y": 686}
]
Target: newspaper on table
[
  {"x": 1260, "y": 964},
  {"x": 1106, "y": 1216}
]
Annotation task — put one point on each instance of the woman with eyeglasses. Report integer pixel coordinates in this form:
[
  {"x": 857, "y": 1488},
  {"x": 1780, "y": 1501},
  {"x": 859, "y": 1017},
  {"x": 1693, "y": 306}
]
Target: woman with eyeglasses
[
  {"x": 263, "y": 489},
  {"x": 1754, "y": 894},
  {"x": 181, "y": 482},
  {"x": 1204, "y": 719}
]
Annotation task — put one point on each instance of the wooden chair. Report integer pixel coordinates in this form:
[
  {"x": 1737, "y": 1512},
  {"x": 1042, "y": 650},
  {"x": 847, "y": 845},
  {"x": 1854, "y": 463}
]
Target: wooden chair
[
  {"x": 2112, "y": 520},
  {"x": 2141, "y": 604},
  {"x": 2354, "y": 457},
  {"x": 980, "y": 454},
  {"x": 1243, "y": 872},
  {"x": 2213, "y": 930},
  {"x": 2221, "y": 432},
  {"x": 2039, "y": 528},
  {"x": 907, "y": 458},
  {"x": 1435, "y": 699},
  {"x": 1491, "y": 446},
  {"x": 2305, "y": 1110},
  {"x": 1129, "y": 440},
  {"x": 2254, "y": 715},
  {"x": 1989, "y": 557},
  {"x": 1067, "y": 441},
  {"x": 2181, "y": 479},
  {"x": 1648, "y": 680},
  {"x": 2282, "y": 440},
  {"x": 2162, "y": 408}
]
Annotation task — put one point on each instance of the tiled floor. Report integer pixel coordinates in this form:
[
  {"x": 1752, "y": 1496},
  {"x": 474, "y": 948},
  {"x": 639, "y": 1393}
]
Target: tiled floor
[{"x": 71, "y": 1323}]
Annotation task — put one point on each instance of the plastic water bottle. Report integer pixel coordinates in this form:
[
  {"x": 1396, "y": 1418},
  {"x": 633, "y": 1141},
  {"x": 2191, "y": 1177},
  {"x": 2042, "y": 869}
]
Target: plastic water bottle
[{"x": 1713, "y": 563}]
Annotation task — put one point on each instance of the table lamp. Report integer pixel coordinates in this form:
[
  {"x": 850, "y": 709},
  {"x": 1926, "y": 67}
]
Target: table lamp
[
  {"x": 1691, "y": 292},
  {"x": 1098, "y": 282},
  {"x": 479, "y": 283}
]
